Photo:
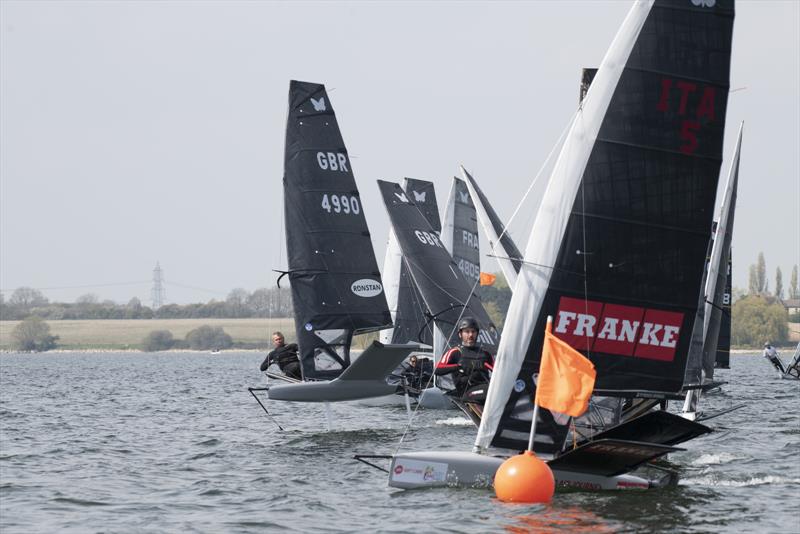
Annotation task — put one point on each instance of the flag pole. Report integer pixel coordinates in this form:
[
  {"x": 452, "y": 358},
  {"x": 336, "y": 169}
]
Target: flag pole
[{"x": 536, "y": 397}]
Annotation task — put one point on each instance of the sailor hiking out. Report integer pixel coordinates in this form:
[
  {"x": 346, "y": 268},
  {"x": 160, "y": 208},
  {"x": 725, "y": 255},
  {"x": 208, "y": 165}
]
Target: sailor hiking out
[
  {"x": 469, "y": 363},
  {"x": 285, "y": 356},
  {"x": 772, "y": 355}
]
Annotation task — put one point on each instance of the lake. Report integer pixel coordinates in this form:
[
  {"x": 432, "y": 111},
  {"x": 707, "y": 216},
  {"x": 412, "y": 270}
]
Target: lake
[{"x": 121, "y": 442}]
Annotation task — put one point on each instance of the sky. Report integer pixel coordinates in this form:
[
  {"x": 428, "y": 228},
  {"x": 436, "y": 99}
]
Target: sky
[{"x": 140, "y": 132}]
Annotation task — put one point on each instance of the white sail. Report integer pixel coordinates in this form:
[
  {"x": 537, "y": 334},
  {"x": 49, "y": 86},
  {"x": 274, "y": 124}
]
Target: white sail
[
  {"x": 391, "y": 282},
  {"x": 551, "y": 221},
  {"x": 718, "y": 248}
]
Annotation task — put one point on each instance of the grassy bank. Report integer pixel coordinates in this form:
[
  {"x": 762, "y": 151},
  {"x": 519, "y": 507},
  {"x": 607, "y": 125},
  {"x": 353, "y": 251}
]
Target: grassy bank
[{"x": 128, "y": 334}]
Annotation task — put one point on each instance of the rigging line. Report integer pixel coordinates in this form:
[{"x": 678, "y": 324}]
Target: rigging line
[
  {"x": 193, "y": 287},
  {"x": 83, "y": 286},
  {"x": 585, "y": 276},
  {"x": 559, "y": 269},
  {"x": 539, "y": 173}
]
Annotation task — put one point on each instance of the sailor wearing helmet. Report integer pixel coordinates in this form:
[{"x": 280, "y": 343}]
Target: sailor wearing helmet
[{"x": 469, "y": 363}]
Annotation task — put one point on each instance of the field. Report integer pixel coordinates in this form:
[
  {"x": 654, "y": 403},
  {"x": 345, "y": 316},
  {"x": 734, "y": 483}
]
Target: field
[{"x": 128, "y": 334}]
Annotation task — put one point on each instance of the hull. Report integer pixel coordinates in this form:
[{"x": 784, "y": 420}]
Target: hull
[{"x": 431, "y": 469}]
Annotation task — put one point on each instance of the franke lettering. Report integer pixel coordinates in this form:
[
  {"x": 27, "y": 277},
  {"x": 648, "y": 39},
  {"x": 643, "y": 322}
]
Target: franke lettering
[
  {"x": 692, "y": 103},
  {"x": 616, "y": 329},
  {"x": 330, "y": 161}
]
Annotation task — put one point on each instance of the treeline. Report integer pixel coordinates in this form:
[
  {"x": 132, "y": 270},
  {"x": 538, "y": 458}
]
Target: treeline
[
  {"x": 759, "y": 315},
  {"x": 261, "y": 303}
]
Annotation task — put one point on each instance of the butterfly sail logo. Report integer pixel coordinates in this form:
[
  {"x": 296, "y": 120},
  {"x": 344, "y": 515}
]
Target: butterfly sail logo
[
  {"x": 419, "y": 197},
  {"x": 464, "y": 197},
  {"x": 402, "y": 197},
  {"x": 319, "y": 105},
  {"x": 704, "y": 3}
]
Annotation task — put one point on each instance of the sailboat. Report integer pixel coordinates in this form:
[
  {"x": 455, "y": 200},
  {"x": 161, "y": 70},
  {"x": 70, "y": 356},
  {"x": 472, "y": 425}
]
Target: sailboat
[
  {"x": 616, "y": 254},
  {"x": 447, "y": 292},
  {"x": 408, "y": 308},
  {"x": 335, "y": 282},
  {"x": 700, "y": 376}
]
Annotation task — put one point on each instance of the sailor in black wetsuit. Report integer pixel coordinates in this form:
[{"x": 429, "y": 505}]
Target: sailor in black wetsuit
[
  {"x": 285, "y": 356},
  {"x": 469, "y": 362}
]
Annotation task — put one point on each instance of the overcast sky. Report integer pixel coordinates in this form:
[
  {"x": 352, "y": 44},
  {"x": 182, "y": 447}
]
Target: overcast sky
[{"x": 136, "y": 132}]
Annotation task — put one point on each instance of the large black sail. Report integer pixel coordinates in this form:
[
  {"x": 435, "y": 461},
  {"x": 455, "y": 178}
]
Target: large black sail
[
  {"x": 336, "y": 285},
  {"x": 617, "y": 253},
  {"x": 447, "y": 292},
  {"x": 410, "y": 324}
]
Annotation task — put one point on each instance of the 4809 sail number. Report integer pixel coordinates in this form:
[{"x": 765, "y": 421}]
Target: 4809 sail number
[{"x": 341, "y": 204}]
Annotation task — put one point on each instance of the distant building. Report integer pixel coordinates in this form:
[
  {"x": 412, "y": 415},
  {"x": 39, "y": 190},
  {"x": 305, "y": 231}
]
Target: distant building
[{"x": 791, "y": 305}]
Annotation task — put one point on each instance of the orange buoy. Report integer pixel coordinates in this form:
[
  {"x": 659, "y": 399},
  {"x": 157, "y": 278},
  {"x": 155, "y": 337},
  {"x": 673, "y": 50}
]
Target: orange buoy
[{"x": 524, "y": 478}]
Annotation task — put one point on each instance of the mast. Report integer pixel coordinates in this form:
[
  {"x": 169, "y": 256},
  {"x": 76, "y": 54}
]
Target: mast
[{"x": 618, "y": 248}]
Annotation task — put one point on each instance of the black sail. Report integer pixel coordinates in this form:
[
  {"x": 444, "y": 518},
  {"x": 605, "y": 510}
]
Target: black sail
[
  {"x": 410, "y": 324},
  {"x": 447, "y": 292},
  {"x": 634, "y": 249},
  {"x": 723, "y": 358},
  {"x": 335, "y": 281},
  {"x": 460, "y": 231},
  {"x": 617, "y": 253}
]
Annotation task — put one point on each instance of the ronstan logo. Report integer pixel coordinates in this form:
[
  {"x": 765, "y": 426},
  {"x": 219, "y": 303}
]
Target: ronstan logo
[
  {"x": 617, "y": 329},
  {"x": 366, "y": 287}
]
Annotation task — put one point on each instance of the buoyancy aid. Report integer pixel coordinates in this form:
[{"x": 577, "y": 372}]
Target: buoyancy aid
[{"x": 473, "y": 359}]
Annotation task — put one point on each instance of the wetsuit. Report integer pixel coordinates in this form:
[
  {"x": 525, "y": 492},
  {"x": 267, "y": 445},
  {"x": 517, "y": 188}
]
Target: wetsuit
[
  {"x": 772, "y": 355},
  {"x": 287, "y": 360},
  {"x": 470, "y": 365}
]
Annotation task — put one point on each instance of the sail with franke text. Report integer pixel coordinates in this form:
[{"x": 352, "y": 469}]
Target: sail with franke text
[
  {"x": 617, "y": 251},
  {"x": 336, "y": 285},
  {"x": 460, "y": 230},
  {"x": 405, "y": 302},
  {"x": 447, "y": 292}
]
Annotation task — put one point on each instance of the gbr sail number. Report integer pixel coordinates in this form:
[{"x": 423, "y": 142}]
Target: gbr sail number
[{"x": 341, "y": 204}]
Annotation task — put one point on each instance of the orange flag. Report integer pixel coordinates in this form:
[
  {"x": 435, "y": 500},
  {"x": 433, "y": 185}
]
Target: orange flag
[
  {"x": 566, "y": 377},
  {"x": 488, "y": 279}
]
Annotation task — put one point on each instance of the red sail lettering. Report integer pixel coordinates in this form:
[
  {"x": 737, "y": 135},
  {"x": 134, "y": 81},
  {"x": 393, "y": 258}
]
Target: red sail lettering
[
  {"x": 689, "y": 134},
  {"x": 686, "y": 88},
  {"x": 706, "y": 106},
  {"x": 663, "y": 103}
]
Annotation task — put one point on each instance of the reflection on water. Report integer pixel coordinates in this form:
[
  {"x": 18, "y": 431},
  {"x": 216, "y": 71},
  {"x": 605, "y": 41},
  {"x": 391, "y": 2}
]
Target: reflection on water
[{"x": 155, "y": 442}]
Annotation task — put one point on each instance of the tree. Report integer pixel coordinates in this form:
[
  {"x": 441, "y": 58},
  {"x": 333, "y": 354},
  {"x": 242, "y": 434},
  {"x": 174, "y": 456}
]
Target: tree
[
  {"x": 87, "y": 299},
  {"x": 793, "y": 291},
  {"x": 757, "y": 319},
  {"x": 236, "y": 302},
  {"x": 27, "y": 297},
  {"x": 752, "y": 284},
  {"x": 32, "y": 334},
  {"x": 158, "y": 340},
  {"x": 208, "y": 338},
  {"x": 761, "y": 274},
  {"x": 778, "y": 283},
  {"x": 259, "y": 302}
]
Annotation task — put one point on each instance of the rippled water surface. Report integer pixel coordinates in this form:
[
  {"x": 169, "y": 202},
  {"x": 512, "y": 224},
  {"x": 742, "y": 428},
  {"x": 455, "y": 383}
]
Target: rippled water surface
[{"x": 174, "y": 442}]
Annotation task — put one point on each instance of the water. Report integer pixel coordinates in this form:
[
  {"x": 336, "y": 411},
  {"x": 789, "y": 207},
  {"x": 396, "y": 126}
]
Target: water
[{"x": 174, "y": 442}]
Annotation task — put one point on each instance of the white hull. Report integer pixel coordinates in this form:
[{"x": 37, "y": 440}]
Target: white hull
[{"x": 430, "y": 469}]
